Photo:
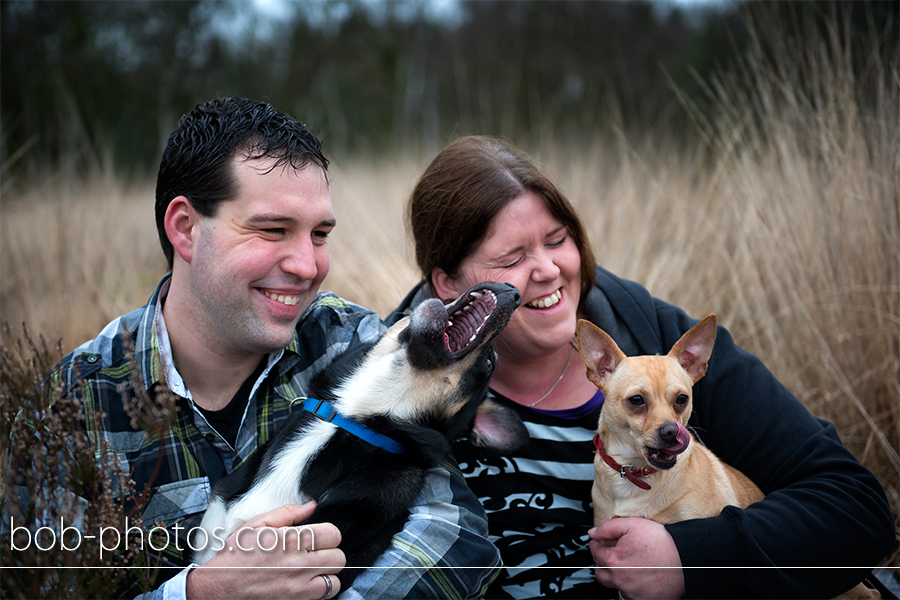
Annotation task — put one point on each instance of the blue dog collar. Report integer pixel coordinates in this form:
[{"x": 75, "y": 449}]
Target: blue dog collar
[{"x": 327, "y": 412}]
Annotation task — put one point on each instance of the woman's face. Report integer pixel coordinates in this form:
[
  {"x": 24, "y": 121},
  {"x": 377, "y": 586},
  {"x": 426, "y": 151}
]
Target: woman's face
[{"x": 529, "y": 248}]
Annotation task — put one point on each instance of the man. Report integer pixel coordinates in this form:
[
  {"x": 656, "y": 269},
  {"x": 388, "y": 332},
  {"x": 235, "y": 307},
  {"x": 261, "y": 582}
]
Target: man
[{"x": 236, "y": 330}]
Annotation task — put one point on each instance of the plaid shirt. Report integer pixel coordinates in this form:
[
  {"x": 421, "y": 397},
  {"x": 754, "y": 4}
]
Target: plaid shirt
[{"x": 443, "y": 548}]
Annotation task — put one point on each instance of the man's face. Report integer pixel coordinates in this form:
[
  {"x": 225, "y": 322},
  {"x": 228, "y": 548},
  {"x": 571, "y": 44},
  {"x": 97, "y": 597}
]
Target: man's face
[{"x": 261, "y": 259}]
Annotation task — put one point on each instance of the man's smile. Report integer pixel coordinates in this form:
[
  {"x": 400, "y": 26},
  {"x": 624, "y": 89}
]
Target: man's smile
[{"x": 286, "y": 299}]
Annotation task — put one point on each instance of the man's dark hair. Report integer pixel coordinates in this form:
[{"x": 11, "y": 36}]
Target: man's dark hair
[{"x": 197, "y": 160}]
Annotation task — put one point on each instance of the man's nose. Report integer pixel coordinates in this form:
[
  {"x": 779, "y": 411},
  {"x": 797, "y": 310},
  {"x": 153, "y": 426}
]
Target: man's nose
[{"x": 300, "y": 260}]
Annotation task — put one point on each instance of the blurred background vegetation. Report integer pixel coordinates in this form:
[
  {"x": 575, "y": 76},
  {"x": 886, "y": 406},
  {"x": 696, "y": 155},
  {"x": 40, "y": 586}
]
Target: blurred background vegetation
[{"x": 87, "y": 83}]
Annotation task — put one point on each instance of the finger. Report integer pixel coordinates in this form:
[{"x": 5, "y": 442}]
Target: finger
[
  {"x": 330, "y": 584},
  {"x": 283, "y": 516},
  {"x": 600, "y": 537},
  {"x": 600, "y": 553},
  {"x": 612, "y": 529},
  {"x": 312, "y": 537},
  {"x": 603, "y": 577},
  {"x": 331, "y": 561},
  {"x": 303, "y": 539}
]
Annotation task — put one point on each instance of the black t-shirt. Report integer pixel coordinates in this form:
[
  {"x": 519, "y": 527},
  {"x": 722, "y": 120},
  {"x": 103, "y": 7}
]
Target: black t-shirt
[{"x": 227, "y": 421}]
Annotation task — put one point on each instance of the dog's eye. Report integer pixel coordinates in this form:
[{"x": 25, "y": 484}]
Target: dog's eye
[
  {"x": 681, "y": 400},
  {"x": 636, "y": 401},
  {"x": 490, "y": 365}
]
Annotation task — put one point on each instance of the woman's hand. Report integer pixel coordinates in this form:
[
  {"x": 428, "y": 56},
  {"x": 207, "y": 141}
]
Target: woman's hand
[
  {"x": 308, "y": 554},
  {"x": 634, "y": 542}
]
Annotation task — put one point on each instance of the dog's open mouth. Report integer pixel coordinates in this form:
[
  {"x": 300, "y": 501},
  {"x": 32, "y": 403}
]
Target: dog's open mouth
[
  {"x": 440, "y": 333},
  {"x": 661, "y": 458},
  {"x": 665, "y": 458},
  {"x": 467, "y": 321}
]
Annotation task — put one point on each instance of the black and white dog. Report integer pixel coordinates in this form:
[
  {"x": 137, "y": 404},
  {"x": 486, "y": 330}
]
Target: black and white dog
[{"x": 375, "y": 421}]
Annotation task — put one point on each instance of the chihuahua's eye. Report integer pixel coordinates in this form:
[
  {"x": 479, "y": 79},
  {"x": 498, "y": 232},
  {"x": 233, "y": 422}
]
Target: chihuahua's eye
[
  {"x": 490, "y": 365},
  {"x": 636, "y": 401},
  {"x": 681, "y": 400}
]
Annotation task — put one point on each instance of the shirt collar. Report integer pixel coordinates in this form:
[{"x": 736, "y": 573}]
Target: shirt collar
[{"x": 172, "y": 377}]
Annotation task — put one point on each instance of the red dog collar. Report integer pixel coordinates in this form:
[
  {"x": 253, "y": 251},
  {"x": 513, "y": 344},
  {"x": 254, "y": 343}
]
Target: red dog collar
[{"x": 630, "y": 473}]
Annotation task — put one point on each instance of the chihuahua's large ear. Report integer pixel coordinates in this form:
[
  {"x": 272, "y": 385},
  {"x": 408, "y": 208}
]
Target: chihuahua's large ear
[
  {"x": 599, "y": 352},
  {"x": 695, "y": 347}
]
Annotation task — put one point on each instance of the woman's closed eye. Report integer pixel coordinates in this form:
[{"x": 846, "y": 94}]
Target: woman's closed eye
[
  {"x": 513, "y": 263},
  {"x": 558, "y": 242}
]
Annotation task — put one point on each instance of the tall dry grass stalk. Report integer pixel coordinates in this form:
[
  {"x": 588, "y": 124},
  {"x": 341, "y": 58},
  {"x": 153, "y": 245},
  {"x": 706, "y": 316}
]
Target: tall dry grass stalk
[
  {"x": 75, "y": 254},
  {"x": 785, "y": 222}
]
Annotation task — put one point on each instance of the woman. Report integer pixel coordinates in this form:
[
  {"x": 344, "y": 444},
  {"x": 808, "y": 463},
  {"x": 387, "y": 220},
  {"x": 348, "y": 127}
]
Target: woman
[{"x": 482, "y": 211}]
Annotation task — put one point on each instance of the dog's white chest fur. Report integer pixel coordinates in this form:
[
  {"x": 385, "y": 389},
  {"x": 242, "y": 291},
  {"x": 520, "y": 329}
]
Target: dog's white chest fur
[{"x": 280, "y": 486}]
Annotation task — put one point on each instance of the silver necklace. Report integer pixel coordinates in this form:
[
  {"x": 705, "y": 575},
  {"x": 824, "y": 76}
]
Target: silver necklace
[{"x": 561, "y": 375}]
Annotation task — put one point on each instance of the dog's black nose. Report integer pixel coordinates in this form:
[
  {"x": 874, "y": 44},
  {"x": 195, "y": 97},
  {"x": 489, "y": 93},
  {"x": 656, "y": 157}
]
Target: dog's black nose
[
  {"x": 668, "y": 434},
  {"x": 513, "y": 288}
]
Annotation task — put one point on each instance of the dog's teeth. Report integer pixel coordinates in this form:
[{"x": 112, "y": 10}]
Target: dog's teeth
[{"x": 476, "y": 294}]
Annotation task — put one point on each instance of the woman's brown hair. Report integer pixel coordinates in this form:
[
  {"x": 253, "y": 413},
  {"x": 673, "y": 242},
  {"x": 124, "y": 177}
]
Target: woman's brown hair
[{"x": 463, "y": 189}]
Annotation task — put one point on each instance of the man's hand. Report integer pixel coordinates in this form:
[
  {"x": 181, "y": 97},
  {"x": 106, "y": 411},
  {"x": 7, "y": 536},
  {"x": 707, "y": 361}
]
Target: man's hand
[
  {"x": 272, "y": 540},
  {"x": 634, "y": 542}
]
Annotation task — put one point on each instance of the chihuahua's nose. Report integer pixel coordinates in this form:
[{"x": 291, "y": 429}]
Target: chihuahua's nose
[{"x": 668, "y": 434}]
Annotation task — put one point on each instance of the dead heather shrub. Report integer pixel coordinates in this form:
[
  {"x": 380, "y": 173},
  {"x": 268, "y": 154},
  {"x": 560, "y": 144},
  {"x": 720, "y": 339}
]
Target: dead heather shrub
[{"x": 57, "y": 487}]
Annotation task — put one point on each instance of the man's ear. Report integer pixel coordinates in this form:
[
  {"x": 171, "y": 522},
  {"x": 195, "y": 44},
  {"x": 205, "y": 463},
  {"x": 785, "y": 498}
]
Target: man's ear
[
  {"x": 445, "y": 286},
  {"x": 182, "y": 225}
]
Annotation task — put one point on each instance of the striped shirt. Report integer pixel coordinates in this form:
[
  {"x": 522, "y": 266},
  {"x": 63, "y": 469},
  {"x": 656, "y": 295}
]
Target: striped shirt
[
  {"x": 131, "y": 359},
  {"x": 538, "y": 501}
]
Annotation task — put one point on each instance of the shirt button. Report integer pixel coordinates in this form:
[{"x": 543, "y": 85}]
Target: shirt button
[{"x": 210, "y": 437}]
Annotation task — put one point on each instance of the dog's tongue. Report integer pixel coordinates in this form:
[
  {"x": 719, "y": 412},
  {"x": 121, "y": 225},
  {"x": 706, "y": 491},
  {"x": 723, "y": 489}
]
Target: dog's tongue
[{"x": 683, "y": 439}]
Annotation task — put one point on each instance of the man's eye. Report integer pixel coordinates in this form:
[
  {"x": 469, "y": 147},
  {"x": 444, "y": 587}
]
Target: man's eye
[{"x": 274, "y": 230}]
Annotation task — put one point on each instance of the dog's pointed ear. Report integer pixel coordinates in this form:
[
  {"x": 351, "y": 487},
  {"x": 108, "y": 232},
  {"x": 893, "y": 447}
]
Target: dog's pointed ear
[
  {"x": 498, "y": 428},
  {"x": 695, "y": 347},
  {"x": 598, "y": 350}
]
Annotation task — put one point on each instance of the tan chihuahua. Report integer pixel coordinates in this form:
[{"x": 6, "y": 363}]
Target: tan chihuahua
[{"x": 646, "y": 465}]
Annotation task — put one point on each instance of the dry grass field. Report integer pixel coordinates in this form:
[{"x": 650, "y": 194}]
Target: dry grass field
[{"x": 785, "y": 221}]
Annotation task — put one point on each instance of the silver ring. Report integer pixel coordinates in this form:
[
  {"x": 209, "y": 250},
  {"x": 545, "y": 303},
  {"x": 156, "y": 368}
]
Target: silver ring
[{"x": 329, "y": 587}]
